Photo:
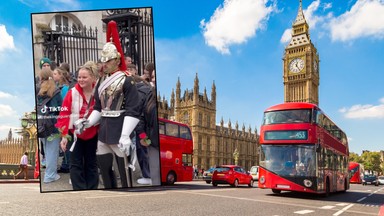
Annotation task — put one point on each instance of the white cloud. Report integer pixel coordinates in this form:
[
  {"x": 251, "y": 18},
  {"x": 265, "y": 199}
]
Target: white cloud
[
  {"x": 17, "y": 83},
  {"x": 235, "y": 22},
  {"x": 286, "y": 36},
  {"x": 6, "y": 39},
  {"x": 310, "y": 16},
  {"x": 5, "y": 95},
  {"x": 364, "y": 111},
  {"x": 6, "y": 110},
  {"x": 365, "y": 19},
  {"x": 327, "y": 6},
  {"x": 12, "y": 108}
]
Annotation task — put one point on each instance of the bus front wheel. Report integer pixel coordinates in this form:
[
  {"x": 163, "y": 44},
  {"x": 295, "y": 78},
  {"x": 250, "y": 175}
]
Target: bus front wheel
[{"x": 171, "y": 178}]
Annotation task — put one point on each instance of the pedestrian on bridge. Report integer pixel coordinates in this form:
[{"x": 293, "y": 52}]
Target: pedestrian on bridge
[{"x": 23, "y": 166}]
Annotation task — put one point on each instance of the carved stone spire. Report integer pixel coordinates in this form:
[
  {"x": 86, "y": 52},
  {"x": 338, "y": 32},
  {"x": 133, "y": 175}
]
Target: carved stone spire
[{"x": 300, "y": 19}]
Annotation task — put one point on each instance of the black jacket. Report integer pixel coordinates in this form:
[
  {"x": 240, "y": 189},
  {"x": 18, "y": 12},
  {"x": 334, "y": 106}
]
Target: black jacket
[{"x": 110, "y": 127}]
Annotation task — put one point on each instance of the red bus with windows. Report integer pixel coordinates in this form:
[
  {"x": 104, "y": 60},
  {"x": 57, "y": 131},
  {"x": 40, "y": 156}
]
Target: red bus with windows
[
  {"x": 302, "y": 150},
  {"x": 176, "y": 151},
  {"x": 356, "y": 172}
]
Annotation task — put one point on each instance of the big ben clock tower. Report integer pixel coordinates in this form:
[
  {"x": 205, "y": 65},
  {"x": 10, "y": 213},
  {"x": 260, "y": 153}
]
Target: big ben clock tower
[{"x": 301, "y": 64}]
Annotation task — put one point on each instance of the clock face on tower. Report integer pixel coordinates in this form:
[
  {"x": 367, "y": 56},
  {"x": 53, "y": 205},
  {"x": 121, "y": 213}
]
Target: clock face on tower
[{"x": 296, "y": 65}]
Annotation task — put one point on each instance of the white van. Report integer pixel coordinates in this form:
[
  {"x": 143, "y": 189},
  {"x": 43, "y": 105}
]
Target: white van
[{"x": 254, "y": 173}]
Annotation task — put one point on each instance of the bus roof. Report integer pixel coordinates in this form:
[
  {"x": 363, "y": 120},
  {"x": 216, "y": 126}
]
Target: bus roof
[
  {"x": 353, "y": 163},
  {"x": 292, "y": 105},
  {"x": 169, "y": 121}
]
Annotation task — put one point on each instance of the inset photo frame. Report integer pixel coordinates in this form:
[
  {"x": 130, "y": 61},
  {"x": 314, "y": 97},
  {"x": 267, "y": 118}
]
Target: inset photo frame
[{"x": 96, "y": 99}]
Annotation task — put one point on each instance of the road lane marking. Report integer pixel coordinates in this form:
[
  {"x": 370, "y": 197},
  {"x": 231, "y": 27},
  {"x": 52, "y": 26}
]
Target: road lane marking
[
  {"x": 361, "y": 199},
  {"x": 303, "y": 212},
  {"x": 343, "y": 210},
  {"x": 376, "y": 191},
  {"x": 247, "y": 199},
  {"x": 271, "y": 202},
  {"x": 123, "y": 195},
  {"x": 342, "y": 204},
  {"x": 327, "y": 207}
]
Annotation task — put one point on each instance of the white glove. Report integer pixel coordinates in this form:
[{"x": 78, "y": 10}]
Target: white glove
[
  {"x": 80, "y": 125},
  {"x": 125, "y": 141},
  {"x": 93, "y": 119}
]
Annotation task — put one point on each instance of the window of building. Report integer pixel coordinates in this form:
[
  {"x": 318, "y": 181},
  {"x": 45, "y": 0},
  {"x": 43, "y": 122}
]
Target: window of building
[
  {"x": 186, "y": 118},
  {"x": 65, "y": 24}
]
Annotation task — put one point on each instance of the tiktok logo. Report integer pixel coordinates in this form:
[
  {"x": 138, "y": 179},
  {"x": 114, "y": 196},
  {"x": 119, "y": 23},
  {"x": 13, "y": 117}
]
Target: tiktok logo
[{"x": 44, "y": 109}]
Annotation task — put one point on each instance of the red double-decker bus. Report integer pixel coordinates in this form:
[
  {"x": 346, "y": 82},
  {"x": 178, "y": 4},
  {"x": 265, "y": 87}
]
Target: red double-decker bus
[
  {"x": 356, "y": 172},
  {"x": 176, "y": 151},
  {"x": 302, "y": 150}
]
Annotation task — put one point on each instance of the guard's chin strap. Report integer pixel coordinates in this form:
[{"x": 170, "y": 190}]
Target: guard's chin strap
[{"x": 113, "y": 70}]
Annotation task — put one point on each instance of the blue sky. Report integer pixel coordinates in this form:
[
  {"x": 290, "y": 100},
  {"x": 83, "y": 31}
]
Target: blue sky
[{"x": 239, "y": 45}]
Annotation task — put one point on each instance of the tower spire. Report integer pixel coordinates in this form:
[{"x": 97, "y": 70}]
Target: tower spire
[
  {"x": 300, "y": 29},
  {"x": 300, "y": 19}
]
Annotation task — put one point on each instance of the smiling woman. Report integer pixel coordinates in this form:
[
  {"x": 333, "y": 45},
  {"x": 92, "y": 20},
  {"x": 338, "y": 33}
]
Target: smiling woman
[{"x": 79, "y": 103}]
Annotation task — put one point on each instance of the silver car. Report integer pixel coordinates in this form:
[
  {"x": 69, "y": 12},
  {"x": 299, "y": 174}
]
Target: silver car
[
  {"x": 207, "y": 175},
  {"x": 381, "y": 180},
  {"x": 254, "y": 173}
]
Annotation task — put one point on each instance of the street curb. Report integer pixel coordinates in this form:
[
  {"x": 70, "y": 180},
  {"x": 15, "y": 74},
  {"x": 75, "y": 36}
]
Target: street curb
[{"x": 12, "y": 181}]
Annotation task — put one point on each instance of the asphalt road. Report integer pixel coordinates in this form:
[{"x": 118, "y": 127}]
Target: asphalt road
[{"x": 192, "y": 198}]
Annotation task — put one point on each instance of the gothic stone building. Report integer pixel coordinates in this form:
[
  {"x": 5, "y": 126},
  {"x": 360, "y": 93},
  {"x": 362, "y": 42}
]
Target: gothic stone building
[{"x": 212, "y": 144}]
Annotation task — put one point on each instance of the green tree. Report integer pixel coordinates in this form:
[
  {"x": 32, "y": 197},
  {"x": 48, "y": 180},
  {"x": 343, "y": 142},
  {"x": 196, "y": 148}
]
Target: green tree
[
  {"x": 355, "y": 158},
  {"x": 382, "y": 168},
  {"x": 371, "y": 161}
]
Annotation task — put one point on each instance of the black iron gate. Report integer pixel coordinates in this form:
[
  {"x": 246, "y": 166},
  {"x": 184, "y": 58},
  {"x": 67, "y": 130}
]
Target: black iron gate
[
  {"x": 73, "y": 47},
  {"x": 136, "y": 34},
  {"x": 76, "y": 46}
]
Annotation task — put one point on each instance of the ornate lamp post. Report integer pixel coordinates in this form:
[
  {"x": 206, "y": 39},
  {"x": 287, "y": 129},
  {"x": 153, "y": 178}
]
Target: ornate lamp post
[
  {"x": 236, "y": 156},
  {"x": 28, "y": 122}
]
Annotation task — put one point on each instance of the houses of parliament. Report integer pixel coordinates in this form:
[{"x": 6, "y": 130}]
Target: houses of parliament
[
  {"x": 216, "y": 144},
  {"x": 212, "y": 144}
]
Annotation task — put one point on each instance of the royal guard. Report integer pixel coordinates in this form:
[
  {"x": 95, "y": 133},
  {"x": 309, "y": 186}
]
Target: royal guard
[{"x": 116, "y": 110}]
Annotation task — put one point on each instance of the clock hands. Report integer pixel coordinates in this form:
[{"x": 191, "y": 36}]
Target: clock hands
[{"x": 296, "y": 65}]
